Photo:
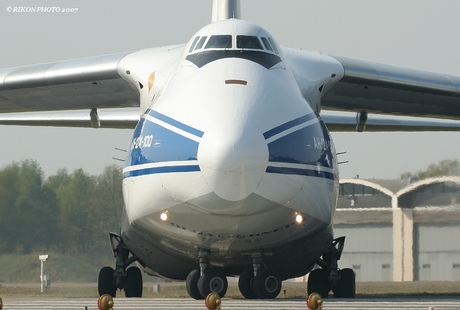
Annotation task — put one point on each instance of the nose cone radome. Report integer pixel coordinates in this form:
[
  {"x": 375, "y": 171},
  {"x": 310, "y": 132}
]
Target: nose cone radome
[{"x": 233, "y": 159}]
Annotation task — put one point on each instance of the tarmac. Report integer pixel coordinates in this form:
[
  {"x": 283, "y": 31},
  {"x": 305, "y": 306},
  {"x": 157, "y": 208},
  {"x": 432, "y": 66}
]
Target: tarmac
[{"x": 227, "y": 303}]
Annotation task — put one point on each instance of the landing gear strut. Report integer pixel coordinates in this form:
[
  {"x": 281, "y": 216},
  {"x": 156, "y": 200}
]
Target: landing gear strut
[
  {"x": 129, "y": 279},
  {"x": 329, "y": 277}
]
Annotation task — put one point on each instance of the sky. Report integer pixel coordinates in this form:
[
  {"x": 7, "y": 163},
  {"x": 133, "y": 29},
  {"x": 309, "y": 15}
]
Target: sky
[{"x": 420, "y": 34}]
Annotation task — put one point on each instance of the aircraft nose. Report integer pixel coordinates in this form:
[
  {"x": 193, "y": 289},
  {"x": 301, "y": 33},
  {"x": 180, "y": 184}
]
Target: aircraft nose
[{"x": 233, "y": 158}]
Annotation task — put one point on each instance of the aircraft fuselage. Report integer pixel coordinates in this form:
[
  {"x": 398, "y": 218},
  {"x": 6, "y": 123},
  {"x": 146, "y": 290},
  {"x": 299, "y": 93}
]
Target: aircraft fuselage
[{"x": 231, "y": 158}]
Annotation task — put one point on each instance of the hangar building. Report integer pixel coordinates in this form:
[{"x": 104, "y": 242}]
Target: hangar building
[{"x": 397, "y": 231}]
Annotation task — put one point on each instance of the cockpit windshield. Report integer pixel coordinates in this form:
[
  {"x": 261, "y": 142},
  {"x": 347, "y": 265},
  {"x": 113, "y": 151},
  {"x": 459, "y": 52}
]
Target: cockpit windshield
[
  {"x": 200, "y": 43},
  {"x": 267, "y": 44},
  {"x": 248, "y": 42},
  {"x": 193, "y": 44},
  {"x": 219, "y": 41},
  {"x": 261, "y": 50}
]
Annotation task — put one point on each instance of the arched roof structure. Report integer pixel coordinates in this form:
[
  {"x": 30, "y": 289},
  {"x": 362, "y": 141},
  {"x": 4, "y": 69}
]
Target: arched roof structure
[
  {"x": 439, "y": 191},
  {"x": 403, "y": 195}
]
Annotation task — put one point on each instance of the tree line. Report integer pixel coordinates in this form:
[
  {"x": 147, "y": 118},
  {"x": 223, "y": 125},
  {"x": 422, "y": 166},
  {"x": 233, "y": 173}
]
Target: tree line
[
  {"x": 445, "y": 167},
  {"x": 70, "y": 213}
]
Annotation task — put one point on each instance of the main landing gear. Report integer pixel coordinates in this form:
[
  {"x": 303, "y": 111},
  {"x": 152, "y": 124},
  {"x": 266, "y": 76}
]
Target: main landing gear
[
  {"x": 329, "y": 277},
  {"x": 258, "y": 281},
  {"x": 128, "y": 279},
  {"x": 201, "y": 282}
]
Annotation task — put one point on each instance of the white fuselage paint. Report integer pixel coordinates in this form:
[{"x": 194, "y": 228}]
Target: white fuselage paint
[{"x": 231, "y": 151}]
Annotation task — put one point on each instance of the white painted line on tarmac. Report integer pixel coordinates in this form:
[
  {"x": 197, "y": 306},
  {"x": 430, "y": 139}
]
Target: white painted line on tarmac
[{"x": 227, "y": 304}]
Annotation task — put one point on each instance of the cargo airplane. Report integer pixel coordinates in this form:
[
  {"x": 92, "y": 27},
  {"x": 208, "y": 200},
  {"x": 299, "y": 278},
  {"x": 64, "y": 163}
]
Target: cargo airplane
[{"x": 231, "y": 170}]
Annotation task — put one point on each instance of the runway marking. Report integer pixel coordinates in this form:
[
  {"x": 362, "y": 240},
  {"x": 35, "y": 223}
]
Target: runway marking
[{"x": 227, "y": 304}]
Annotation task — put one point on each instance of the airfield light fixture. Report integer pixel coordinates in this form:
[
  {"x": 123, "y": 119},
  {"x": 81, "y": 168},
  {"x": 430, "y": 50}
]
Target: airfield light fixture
[
  {"x": 105, "y": 302},
  {"x": 213, "y": 301},
  {"x": 314, "y": 301}
]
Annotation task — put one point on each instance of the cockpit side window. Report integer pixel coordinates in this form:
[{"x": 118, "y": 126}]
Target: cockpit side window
[
  {"x": 249, "y": 42},
  {"x": 200, "y": 43},
  {"x": 267, "y": 44},
  {"x": 273, "y": 44},
  {"x": 219, "y": 41},
  {"x": 193, "y": 44}
]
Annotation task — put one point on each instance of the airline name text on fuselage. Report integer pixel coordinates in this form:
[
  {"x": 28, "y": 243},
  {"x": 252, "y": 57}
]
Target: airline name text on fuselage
[{"x": 208, "y": 236}]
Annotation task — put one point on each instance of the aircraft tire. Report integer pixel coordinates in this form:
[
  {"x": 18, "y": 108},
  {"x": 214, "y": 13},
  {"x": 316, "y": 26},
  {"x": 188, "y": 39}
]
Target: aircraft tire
[
  {"x": 245, "y": 283},
  {"x": 346, "y": 287},
  {"x": 318, "y": 283},
  {"x": 106, "y": 282},
  {"x": 212, "y": 281},
  {"x": 133, "y": 283},
  {"x": 191, "y": 284},
  {"x": 267, "y": 284}
]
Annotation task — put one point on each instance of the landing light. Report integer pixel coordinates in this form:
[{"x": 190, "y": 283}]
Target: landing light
[
  {"x": 298, "y": 219},
  {"x": 164, "y": 216}
]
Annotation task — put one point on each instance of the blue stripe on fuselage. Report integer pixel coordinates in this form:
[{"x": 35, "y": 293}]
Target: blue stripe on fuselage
[
  {"x": 310, "y": 146},
  {"x": 175, "y": 123},
  {"x": 155, "y": 144},
  {"x": 165, "y": 169},
  {"x": 288, "y": 125},
  {"x": 298, "y": 171}
]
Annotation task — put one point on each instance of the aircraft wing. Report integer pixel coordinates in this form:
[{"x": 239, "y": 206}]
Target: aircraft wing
[
  {"x": 376, "y": 94},
  {"x": 378, "y": 88},
  {"x": 85, "y": 83},
  {"x": 89, "y": 92},
  {"x": 95, "y": 84}
]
